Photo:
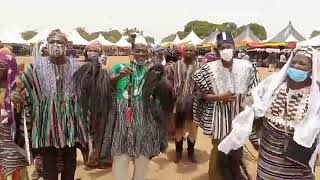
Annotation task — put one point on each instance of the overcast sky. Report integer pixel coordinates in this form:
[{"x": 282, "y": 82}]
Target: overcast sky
[{"x": 157, "y": 18}]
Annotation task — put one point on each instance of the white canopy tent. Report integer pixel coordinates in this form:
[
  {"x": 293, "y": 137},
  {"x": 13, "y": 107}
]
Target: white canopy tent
[
  {"x": 140, "y": 40},
  {"x": 192, "y": 38},
  {"x": 315, "y": 42},
  {"x": 103, "y": 41},
  {"x": 76, "y": 39},
  {"x": 41, "y": 36},
  {"x": 176, "y": 40},
  {"x": 12, "y": 38},
  {"x": 123, "y": 42}
]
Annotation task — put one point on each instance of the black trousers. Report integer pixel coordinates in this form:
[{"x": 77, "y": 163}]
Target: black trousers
[
  {"x": 50, "y": 159},
  {"x": 230, "y": 165}
]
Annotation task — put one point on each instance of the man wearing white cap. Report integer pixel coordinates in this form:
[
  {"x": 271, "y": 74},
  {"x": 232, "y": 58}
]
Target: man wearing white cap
[{"x": 222, "y": 87}]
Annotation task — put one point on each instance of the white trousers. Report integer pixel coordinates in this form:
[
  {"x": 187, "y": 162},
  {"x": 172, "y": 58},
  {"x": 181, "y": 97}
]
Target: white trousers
[{"x": 120, "y": 167}]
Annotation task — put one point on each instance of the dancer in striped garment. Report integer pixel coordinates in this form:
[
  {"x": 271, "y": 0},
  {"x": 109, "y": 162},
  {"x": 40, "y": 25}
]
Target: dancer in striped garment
[
  {"x": 221, "y": 88},
  {"x": 290, "y": 100},
  {"x": 55, "y": 121},
  {"x": 183, "y": 89},
  {"x": 95, "y": 93},
  {"x": 12, "y": 158},
  {"x": 139, "y": 133}
]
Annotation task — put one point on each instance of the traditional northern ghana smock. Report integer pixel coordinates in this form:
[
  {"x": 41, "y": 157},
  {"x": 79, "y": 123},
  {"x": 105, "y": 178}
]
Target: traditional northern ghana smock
[
  {"x": 215, "y": 118},
  {"x": 12, "y": 161},
  {"x": 143, "y": 136},
  {"x": 52, "y": 106},
  {"x": 272, "y": 165}
]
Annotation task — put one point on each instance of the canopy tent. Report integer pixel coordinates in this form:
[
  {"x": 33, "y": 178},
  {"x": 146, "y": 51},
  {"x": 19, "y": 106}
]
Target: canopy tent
[
  {"x": 289, "y": 34},
  {"x": 176, "y": 41},
  {"x": 211, "y": 39},
  {"x": 192, "y": 38},
  {"x": 12, "y": 38},
  {"x": 103, "y": 41},
  {"x": 123, "y": 42},
  {"x": 41, "y": 36},
  {"x": 247, "y": 36},
  {"x": 291, "y": 45},
  {"x": 76, "y": 39},
  {"x": 314, "y": 42},
  {"x": 140, "y": 40}
]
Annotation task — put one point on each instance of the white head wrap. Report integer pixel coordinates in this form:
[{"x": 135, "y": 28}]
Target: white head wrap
[{"x": 305, "y": 132}]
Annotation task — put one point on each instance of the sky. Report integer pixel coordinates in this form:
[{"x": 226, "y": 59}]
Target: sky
[{"x": 157, "y": 18}]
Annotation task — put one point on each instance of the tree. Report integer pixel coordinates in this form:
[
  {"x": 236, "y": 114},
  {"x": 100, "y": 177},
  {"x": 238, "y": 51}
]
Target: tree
[
  {"x": 228, "y": 27},
  {"x": 149, "y": 39},
  {"x": 315, "y": 33},
  {"x": 259, "y": 31},
  {"x": 84, "y": 33},
  {"x": 201, "y": 28},
  {"x": 28, "y": 34},
  {"x": 204, "y": 28},
  {"x": 169, "y": 38},
  {"x": 113, "y": 35},
  {"x": 128, "y": 31}
]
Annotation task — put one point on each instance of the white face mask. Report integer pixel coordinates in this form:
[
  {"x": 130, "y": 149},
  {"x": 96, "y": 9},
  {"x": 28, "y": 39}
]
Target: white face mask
[{"x": 226, "y": 54}]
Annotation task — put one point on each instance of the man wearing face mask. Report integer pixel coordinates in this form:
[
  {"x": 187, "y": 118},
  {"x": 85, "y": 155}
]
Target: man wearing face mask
[
  {"x": 50, "y": 108},
  {"x": 93, "y": 79},
  {"x": 184, "y": 86},
  {"x": 221, "y": 88},
  {"x": 138, "y": 134}
]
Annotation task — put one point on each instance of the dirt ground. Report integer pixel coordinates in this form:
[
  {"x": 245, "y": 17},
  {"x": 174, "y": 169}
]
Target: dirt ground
[{"x": 163, "y": 166}]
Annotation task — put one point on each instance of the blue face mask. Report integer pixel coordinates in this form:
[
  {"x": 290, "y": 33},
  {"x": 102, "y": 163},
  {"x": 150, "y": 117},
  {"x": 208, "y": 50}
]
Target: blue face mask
[{"x": 297, "y": 75}]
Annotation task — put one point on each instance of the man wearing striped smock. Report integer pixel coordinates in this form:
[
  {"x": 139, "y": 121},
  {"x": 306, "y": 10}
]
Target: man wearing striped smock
[
  {"x": 184, "y": 86},
  {"x": 221, "y": 89}
]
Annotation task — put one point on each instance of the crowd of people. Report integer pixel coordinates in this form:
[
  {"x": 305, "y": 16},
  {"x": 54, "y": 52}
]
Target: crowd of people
[{"x": 130, "y": 112}]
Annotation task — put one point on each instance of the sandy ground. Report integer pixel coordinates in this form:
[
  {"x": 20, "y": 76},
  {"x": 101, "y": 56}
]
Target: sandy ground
[{"x": 163, "y": 167}]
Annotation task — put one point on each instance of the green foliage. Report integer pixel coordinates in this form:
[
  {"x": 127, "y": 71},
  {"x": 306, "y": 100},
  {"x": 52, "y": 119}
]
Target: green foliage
[
  {"x": 201, "y": 28},
  {"x": 259, "y": 31},
  {"x": 128, "y": 31},
  {"x": 149, "y": 39},
  {"x": 204, "y": 28},
  {"x": 28, "y": 34},
  {"x": 314, "y": 33},
  {"x": 113, "y": 35},
  {"x": 169, "y": 38}
]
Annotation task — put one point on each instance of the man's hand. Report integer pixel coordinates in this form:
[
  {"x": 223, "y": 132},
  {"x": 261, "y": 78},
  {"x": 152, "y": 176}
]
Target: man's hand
[
  {"x": 125, "y": 72},
  {"x": 17, "y": 96},
  {"x": 228, "y": 97}
]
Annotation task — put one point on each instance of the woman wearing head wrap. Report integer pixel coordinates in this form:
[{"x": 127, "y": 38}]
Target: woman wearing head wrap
[
  {"x": 289, "y": 103},
  {"x": 50, "y": 112},
  {"x": 12, "y": 160}
]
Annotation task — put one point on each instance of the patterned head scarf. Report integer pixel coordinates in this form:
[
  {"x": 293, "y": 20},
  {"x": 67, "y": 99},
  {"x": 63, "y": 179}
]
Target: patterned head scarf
[
  {"x": 304, "y": 50},
  {"x": 9, "y": 76},
  {"x": 59, "y": 34},
  {"x": 172, "y": 53},
  {"x": 95, "y": 45}
]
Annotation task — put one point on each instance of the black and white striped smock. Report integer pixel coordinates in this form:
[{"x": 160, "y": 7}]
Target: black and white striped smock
[{"x": 215, "y": 118}]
